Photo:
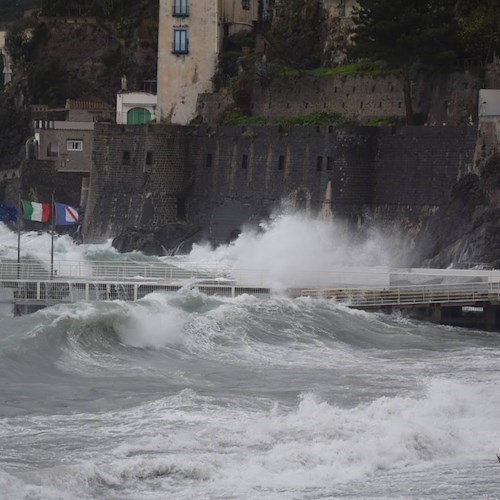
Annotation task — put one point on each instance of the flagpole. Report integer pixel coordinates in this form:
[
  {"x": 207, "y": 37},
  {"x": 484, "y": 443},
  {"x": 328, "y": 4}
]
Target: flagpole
[
  {"x": 52, "y": 240},
  {"x": 19, "y": 236}
]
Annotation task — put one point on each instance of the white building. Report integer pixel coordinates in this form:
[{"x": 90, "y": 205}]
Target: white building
[{"x": 135, "y": 108}]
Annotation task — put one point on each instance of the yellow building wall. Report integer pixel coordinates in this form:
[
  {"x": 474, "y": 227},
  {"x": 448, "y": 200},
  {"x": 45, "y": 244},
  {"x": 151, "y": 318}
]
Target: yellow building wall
[{"x": 181, "y": 77}]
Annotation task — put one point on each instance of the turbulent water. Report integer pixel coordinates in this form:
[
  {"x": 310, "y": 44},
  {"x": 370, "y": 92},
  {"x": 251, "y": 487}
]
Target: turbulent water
[{"x": 187, "y": 396}]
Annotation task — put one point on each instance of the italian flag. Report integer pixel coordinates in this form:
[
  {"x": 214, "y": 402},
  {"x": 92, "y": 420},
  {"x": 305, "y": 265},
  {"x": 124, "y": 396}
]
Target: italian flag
[{"x": 36, "y": 211}]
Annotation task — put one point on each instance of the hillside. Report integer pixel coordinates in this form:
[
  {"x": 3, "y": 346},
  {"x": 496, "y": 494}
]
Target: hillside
[{"x": 61, "y": 60}]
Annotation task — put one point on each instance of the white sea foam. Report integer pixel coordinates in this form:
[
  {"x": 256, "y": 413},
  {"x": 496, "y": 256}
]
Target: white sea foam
[
  {"x": 37, "y": 245},
  {"x": 206, "y": 447},
  {"x": 288, "y": 250},
  {"x": 153, "y": 326},
  {"x": 318, "y": 444},
  {"x": 293, "y": 249}
]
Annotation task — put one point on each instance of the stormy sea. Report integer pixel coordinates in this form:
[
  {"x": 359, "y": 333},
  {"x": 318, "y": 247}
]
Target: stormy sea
[{"x": 188, "y": 396}]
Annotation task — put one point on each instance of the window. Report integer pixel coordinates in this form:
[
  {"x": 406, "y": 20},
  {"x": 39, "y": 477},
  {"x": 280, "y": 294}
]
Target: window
[
  {"x": 180, "y": 8},
  {"x": 180, "y": 42},
  {"x": 126, "y": 158},
  {"x": 74, "y": 145},
  {"x": 208, "y": 163},
  {"x": 319, "y": 163},
  {"x": 149, "y": 158},
  {"x": 281, "y": 163},
  {"x": 244, "y": 161},
  {"x": 245, "y": 4},
  {"x": 53, "y": 149},
  {"x": 181, "y": 209}
]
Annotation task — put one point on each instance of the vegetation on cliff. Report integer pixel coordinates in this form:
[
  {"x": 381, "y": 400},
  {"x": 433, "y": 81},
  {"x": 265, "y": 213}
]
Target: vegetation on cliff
[
  {"x": 54, "y": 61},
  {"x": 412, "y": 36},
  {"x": 295, "y": 37},
  {"x": 236, "y": 117}
]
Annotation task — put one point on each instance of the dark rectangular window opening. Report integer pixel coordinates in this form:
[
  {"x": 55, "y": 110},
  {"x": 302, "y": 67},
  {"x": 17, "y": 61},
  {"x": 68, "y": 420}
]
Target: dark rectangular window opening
[
  {"x": 181, "y": 209},
  {"x": 319, "y": 163},
  {"x": 180, "y": 8},
  {"x": 244, "y": 161},
  {"x": 281, "y": 163},
  {"x": 208, "y": 162},
  {"x": 329, "y": 163},
  {"x": 245, "y": 4},
  {"x": 126, "y": 158},
  {"x": 149, "y": 158},
  {"x": 180, "y": 43}
]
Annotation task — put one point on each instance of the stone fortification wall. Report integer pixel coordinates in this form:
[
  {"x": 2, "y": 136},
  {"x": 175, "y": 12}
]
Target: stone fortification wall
[
  {"x": 219, "y": 178},
  {"x": 418, "y": 165},
  {"x": 439, "y": 99},
  {"x": 258, "y": 167},
  {"x": 415, "y": 170},
  {"x": 139, "y": 175}
]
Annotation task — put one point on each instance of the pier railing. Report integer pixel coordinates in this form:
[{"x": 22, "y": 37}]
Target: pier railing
[
  {"x": 70, "y": 281},
  {"x": 106, "y": 270},
  {"x": 413, "y": 295},
  {"x": 181, "y": 271}
]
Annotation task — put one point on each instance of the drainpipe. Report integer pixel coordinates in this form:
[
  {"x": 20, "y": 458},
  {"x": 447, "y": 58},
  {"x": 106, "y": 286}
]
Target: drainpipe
[{"x": 29, "y": 142}]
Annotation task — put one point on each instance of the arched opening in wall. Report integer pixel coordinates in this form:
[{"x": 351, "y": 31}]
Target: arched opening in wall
[{"x": 138, "y": 116}]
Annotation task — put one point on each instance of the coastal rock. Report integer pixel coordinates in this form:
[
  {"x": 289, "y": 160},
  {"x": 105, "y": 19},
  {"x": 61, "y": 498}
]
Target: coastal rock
[
  {"x": 466, "y": 232},
  {"x": 139, "y": 240}
]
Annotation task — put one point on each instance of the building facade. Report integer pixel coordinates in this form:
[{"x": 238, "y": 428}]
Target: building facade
[
  {"x": 64, "y": 137},
  {"x": 135, "y": 108},
  {"x": 190, "y": 41}
]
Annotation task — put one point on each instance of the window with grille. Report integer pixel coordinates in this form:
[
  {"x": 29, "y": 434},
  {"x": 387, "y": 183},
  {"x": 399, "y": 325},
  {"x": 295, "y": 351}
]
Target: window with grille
[
  {"x": 180, "y": 44},
  {"x": 74, "y": 145}
]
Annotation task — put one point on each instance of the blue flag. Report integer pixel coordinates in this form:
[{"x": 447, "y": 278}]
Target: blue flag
[
  {"x": 8, "y": 212},
  {"x": 65, "y": 215}
]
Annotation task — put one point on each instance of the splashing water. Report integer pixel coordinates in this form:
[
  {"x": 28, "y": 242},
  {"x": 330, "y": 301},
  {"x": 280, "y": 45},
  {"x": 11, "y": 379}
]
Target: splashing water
[{"x": 293, "y": 248}]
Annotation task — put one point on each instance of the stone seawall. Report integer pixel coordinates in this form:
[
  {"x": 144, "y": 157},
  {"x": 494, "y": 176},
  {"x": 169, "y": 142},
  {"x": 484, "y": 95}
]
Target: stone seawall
[
  {"x": 139, "y": 174},
  {"x": 438, "y": 99},
  {"x": 219, "y": 178}
]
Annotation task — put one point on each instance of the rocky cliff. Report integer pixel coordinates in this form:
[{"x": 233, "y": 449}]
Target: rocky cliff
[{"x": 466, "y": 232}]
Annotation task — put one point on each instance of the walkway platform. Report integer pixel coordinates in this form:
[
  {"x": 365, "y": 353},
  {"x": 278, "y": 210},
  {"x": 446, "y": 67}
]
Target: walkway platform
[{"x": 446, "y": 296}]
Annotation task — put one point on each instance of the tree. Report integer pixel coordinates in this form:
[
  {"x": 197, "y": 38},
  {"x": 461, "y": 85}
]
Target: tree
[
  {"x": 296, "y": 33},
  {"x": 479, "y": 33},
  {"x": 407, "y": 35},
  {"x": 23, "y": 39},
  {"x": 102, "y": 8},
  {"x": 10, "y": 10}
]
